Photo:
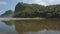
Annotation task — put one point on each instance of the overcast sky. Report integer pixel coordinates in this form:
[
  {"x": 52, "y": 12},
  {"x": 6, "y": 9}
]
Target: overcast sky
[{"x": 10, "y": 4}]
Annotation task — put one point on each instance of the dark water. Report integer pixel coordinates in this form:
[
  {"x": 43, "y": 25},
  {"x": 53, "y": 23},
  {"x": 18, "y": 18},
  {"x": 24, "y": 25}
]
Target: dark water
[{"x": 23, "y": 27}]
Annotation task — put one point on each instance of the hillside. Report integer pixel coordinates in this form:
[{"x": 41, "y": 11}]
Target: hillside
[
  {"x": 7, "y": 14},
  {"x": 24, "y": 10},
  {"x": 28, "y": 10}
]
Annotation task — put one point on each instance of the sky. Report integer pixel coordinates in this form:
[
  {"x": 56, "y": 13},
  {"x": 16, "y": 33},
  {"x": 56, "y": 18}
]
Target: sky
[{"x": 10, "y": 4}]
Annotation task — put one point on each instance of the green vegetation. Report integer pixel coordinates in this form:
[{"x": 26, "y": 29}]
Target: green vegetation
[
  {"x": 7, "y": 14},
  {"x": 24, "y": 10},
  {"x": 28, "y": 10}
]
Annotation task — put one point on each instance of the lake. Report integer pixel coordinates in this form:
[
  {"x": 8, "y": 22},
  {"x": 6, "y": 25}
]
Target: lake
[{"x": 30, "y": 27}]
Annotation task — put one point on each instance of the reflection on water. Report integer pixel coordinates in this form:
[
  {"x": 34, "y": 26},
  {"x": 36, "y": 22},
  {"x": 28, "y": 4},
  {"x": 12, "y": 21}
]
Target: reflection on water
[
  {"x": 30, "y": 27},
  {"x": 37, "y": 27},
  {"x": 44, "y": 32},
  {"x": 6, "y": 29}
]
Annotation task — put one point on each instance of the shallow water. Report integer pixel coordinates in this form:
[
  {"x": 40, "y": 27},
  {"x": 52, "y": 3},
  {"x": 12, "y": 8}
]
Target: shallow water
[
  {"x": 44, "y": 32},
  {"x": 6, "y": 29},
  {"x": 20, "y": 28}
]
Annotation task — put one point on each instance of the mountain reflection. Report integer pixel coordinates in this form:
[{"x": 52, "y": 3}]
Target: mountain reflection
[
  {"x": 9, "y": 22},
  {"x": 35, "y": 26}
]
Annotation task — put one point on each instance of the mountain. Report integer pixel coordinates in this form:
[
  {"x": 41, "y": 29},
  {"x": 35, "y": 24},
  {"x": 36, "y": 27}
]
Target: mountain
[
  {"x": 53, "y": 11},
  {"x": 24, "y": 10},
  {"x": 27, "y": 10},
  {"x": 7, "y": 14}
]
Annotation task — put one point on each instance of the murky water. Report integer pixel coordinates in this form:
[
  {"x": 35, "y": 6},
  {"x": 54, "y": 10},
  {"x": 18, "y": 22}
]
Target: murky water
[{"x": 28, "y": 27}]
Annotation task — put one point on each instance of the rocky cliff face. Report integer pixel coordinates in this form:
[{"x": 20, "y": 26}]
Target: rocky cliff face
[
  {"x": 22, "y": 8},
  {"x": 19, "y": 7}
]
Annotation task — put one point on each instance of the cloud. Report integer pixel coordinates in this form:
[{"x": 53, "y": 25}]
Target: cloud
[
  {"x": 46, "y": 2},
  {"x": 54, "y": 0},
  {"x": 41, "y": 2},
  {"x": 3, "y": 3},
  {"x": 51, "y": 0}
]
